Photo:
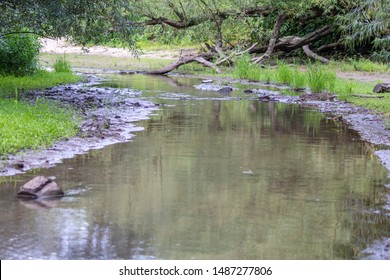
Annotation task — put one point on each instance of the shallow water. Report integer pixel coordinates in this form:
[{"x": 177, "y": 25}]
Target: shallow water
[{"x": 222, "y": 178}]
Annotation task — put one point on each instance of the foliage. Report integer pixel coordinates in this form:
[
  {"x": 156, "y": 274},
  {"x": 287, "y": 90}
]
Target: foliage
[
  {"x": 24, "y": 125},
  {"x": 80, "y": 20},
  {"x": 368, "y": 23},
  {"x": 19, "y": 54}
]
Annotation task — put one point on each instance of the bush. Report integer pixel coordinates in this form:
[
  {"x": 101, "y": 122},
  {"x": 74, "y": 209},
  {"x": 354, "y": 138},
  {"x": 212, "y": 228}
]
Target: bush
[{"x": 19, "y": 54}]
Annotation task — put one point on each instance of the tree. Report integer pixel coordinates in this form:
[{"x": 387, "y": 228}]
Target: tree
[
  {"x": 368, "y": 23},
  {"x": 259, "y": 26},
  {"x": 80, "y": 20}
]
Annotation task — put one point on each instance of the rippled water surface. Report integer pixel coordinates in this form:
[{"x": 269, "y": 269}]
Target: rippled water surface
[{"x": 222, "y": 178}]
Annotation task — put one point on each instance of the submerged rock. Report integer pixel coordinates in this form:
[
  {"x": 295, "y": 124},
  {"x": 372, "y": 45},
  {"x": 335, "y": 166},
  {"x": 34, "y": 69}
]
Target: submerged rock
[
  {"x": 225, "y": 90},
  {"x": 40, "y": 187}
]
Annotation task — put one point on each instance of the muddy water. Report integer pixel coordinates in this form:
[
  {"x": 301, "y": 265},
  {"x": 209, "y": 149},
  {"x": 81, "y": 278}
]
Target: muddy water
[{"x": 210, "y": 177}]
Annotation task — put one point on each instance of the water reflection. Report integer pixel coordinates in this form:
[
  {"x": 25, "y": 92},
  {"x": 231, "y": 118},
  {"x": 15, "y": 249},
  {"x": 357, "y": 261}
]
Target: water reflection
[{"x": 182, "y": 190}]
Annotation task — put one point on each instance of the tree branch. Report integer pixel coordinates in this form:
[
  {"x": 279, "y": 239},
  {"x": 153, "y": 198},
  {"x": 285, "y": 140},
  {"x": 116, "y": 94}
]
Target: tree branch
[
  {"x": 313, "y": 55},
  {"x": 200, "y": 58},
  {"x": 275, "y": 34},
  {"x": 186, "y": 22}
]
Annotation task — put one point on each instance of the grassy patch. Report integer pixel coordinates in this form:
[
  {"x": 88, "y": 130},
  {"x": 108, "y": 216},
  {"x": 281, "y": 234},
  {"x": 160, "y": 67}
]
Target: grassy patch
[
  {"x": 30, "y": 125},
  {"x": 106, "y": 62},
  {"x": 43, "y": 79},
  {"x": 24, "y": 125}
]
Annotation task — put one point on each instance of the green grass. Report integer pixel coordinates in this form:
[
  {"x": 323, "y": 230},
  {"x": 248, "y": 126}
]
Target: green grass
[
  {"x": 25, "y": 125},
  {"x": 43, "y": 79},
  {"x": 31, "y": 125}
]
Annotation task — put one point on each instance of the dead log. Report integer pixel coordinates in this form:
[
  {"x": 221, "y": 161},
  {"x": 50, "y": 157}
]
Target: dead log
[
  {"x": 290, "y": 43},
  {"x": 383, "y": 87},
  {"x": 200, "y": 58},
  {"x": 313, "y": 55}
]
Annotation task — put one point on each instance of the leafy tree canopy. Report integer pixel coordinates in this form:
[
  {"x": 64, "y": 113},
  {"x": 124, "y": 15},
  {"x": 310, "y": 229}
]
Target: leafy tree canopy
[{"x": 80, "y": 20}]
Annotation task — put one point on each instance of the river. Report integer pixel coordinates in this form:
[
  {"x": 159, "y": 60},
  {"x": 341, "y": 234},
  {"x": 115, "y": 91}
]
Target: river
[{"x": 211, "y": 176}]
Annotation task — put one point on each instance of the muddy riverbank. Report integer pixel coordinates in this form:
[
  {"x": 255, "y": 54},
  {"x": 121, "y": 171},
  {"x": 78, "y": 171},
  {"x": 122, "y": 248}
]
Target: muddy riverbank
[{"x": 108, "y": 115}]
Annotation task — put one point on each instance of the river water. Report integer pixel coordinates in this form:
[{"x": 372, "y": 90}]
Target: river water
[{"x": 210, "y": 177}]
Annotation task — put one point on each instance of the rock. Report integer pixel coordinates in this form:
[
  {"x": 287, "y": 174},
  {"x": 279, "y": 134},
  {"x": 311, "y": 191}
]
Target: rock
[
  {"x": 207, "y": 81},
  {"x": 382, "y": 88},
  {"x": 40, "y": 187},
  {"x": 225, "y": 90}
]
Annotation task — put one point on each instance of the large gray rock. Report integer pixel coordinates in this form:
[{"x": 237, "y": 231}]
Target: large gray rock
[{"x": 40, "y": 187}]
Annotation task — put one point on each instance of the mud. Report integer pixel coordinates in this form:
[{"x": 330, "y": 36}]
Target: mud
[{"x": 107, "y": 117}]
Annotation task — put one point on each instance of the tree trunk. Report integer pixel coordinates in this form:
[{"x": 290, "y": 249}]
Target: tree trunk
[
  {"x": 275, "y": 34},
  {"x": 313, "y": 55}
]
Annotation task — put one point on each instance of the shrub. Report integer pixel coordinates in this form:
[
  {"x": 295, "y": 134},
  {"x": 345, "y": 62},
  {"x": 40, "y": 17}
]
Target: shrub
[{"x": 19, "y": 54}]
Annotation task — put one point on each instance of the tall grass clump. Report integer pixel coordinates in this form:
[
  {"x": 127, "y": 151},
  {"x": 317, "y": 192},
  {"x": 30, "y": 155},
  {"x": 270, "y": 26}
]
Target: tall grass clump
[
  {"x": 19, "y": 54},
  {"x": 299, "y": 79},
  {"x": 244, "y": 69},
  {"x": 24, "y": 125},
  {"x": 61, "y": 65},
  {"x": 284, "y": 73},
  {"x": 320, "y": 79}
]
